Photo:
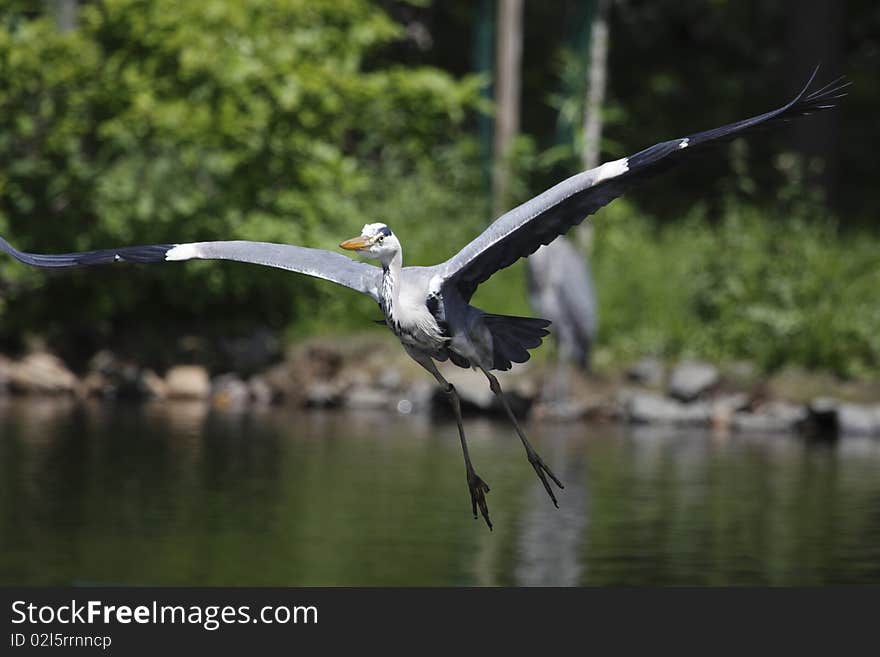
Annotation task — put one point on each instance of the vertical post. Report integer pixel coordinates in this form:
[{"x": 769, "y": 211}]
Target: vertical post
[
  {"x": 65, "y": 14},
  {"x": 595, "y": 97},
  {"x": 507, "y": 94},
  {"x": 484, "y": 48},
  {"x": 596, "y": 77}
]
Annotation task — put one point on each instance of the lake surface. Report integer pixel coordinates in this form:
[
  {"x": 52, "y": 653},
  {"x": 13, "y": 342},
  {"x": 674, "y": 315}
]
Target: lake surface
[{"x": 176, "y": 494}]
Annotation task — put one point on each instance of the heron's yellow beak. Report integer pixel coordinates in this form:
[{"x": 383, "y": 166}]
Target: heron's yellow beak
[{"x": 356, "y": 243}]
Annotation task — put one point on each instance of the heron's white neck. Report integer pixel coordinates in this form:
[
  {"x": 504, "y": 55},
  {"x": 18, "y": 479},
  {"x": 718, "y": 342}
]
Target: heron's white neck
[{"x": 390, "y": 292}]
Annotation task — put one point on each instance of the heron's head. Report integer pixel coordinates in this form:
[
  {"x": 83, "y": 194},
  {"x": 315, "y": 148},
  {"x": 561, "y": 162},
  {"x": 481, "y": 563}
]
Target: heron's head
[{"x": 375, "y": 241}]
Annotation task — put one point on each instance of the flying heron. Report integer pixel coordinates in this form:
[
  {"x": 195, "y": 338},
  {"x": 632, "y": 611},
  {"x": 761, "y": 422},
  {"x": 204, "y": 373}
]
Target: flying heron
[{"x": 428, "y": 307}]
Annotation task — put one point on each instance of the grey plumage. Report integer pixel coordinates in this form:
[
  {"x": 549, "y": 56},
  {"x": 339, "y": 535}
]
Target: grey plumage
[
  {"x": 429, "y": 308},
  {"x": 319, "y": 263}
]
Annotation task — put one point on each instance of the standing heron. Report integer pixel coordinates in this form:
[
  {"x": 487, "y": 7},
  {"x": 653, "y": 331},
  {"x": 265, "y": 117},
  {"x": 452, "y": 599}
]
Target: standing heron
[
  {"x": 561, "y": 289},
  {"x": 428, "y": 307}
]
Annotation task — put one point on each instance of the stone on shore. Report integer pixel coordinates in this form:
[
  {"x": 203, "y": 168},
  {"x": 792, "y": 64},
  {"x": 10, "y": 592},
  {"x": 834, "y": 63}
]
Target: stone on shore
[
  {"x": 858, "y": 420},
  {"x": 188, "y": 382},
  {"x": 651, "y": 408},
  {"x": 261, "y": 392},
  {"x": 364, "y": 397},
  {"x": 476, "y": 396},
  {"x": 5, "y": 365},
  {"x": 650, "y": 372},
  {"x": 110, "y": 377},
  {"x": 229, "y": 392},
  {"x": 153, "y": 385},
  {"x": 691, "y": 379},
  {"x": 773, "y": 417},
  {"x": 42, "y": 373},
  {"x": 322, "y": 394},
  {"x": 822, "y": 415}
]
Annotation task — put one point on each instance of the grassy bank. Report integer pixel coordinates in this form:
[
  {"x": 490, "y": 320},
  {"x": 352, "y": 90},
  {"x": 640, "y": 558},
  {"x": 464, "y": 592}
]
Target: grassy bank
[{"x": 776, "y": 290}]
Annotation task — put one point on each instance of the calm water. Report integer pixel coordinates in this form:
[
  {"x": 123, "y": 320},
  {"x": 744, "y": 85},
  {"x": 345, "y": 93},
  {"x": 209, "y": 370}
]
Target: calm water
[{"x": 175, "y": 494}]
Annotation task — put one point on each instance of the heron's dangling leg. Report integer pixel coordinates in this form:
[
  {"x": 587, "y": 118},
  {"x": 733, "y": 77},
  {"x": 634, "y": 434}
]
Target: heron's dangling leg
[
  {"x": 477, "y": 487},
  {"x": 537, "y": 462},
  {"x": 563, "y": 376}
]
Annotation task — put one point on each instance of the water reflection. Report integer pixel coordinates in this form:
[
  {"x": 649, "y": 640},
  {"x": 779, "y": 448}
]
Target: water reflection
[{"x": 180, "y": 494}]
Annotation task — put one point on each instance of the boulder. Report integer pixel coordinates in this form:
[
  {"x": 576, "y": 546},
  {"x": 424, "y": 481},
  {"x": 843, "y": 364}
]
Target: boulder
[
  {"x": 368, "y": 397},
  {"x": 773, "y": 417},
  {"x": 261, "y": 392},
  {"x": 649, "y": 372},
  {"x": 691, "y": 379},
  {"x": 651, "y": 408},
  {"x": 321, "y": 394},
  {"x": 229, "y": 392},
  {"x": 153, "y": 385},
  {"x": 858, "y": 420},
  {"x": 389, "y": 378},
  {"x": 5, "y": 365},
  {"x": 477, "y": 397},
  {"x": 41, "y": 373},
  {"x": 188, "y": 382},
  {"x": 822, "y": 414},
  {"x": 417, "y": 396},
  {"x": 113, "y": 378},
  {"x": 723, "y": 407}
]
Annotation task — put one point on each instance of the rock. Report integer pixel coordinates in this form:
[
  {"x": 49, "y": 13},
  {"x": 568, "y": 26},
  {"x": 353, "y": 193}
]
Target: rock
[
  {"x": 229, "y": 392},
  {"x": 389, "y": 378},
  {"x": 649, "y": 372},
  {"x": 418, "y": 396},
  {"x": 261, "y": 392},
  {"x": 41, "y": 372},
  {"x": 477, "y": 397},
  {"x": 251, "y": 353},
  {"x": 322, "y": 394},
  {"x": 566, "y": 410},
  {"x": 773, "y": 417},
  {"x": 690, "y": 379},
  {"x": 113, "y": 378},
  {"x": 366, "y": 397},
  {"x": 822, "y": 415},
  {"x": 188, "y": 382},
  {"x": 651, "y": 408},
  {"x": 153, "y": 385},
  {"x": 473, "y": 391},
  {"x": 284, "y": 382},
  {"x": 857, "y": 420},
  {"x": 5, "y": 365},
  {"x": 723, "y": 408},
  {"x": 93, "y": 384}
]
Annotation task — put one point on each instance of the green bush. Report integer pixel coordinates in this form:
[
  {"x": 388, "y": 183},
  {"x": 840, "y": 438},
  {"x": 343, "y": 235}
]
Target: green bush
[
  {"x": 167, "y": 121},
  {"x": 777, "y": 290}
]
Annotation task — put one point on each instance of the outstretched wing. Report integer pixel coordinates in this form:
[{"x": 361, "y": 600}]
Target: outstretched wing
[
  {"x": 520, "y": 232},
  {"x": 330, "y": 266}
]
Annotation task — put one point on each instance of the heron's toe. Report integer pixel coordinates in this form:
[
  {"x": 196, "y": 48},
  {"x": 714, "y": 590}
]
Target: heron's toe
[
  {"x": 541, "y": 468},
  {"x": 478, "y": 489}
]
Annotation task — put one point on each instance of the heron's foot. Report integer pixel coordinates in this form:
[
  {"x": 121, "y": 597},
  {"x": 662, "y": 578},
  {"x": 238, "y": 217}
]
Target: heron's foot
[
  {"x": 478, "y": 489},
  {"x": 541, "y": 468}
]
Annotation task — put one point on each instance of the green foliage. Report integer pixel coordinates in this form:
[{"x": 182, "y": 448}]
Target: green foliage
[
  {"x": 770, "y": 288},
  {"x": 163, "y": 121}
]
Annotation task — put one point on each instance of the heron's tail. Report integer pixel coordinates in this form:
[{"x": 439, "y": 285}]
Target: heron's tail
[{"x": 512, "y": 337}]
